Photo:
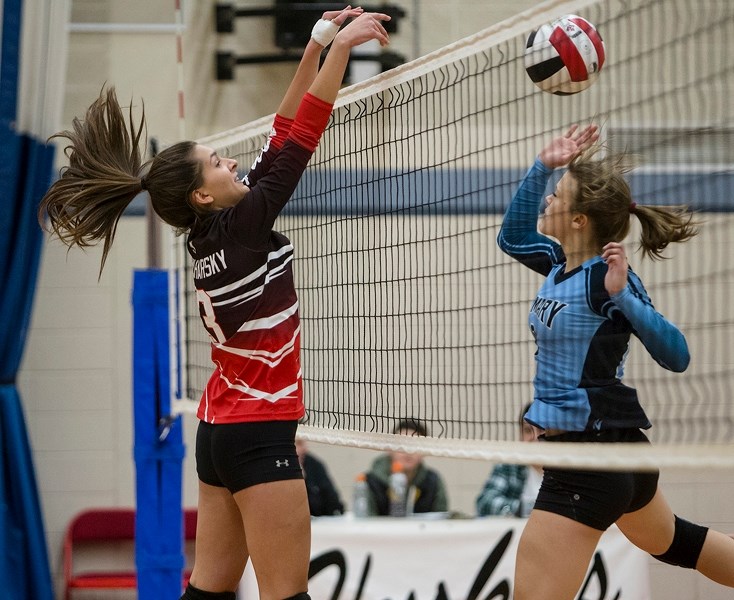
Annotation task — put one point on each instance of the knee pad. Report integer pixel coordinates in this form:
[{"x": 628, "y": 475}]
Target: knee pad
[
  {"x": 192, "y": 593},
  {"x": 301, "y": 596},
  {"x": 686, "y": 547}
]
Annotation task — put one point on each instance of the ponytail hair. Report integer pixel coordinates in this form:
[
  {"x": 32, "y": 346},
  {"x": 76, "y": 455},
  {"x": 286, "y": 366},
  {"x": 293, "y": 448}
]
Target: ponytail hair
[
  {"x": 605, "y": 197},
  {"x": 663, "y": 225},
  {"x": 103, "y": 176},
  {"x": 106, "y": 172}
]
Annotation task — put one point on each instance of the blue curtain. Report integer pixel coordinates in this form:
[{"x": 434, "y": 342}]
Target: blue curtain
[{"x": 25, "y": 170}]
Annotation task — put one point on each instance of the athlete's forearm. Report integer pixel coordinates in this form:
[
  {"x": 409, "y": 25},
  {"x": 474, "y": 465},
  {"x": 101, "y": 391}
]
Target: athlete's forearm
[
  {"x": 328, "y": 82},
  {"x": 307, "y": 71},
  {"x": 519, "y": 235},
  {"x": 521, "y": 216},
  {"x": 663, "y": 340}
]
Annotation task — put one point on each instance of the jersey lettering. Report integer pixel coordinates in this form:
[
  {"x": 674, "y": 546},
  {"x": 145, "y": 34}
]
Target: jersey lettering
[
  {"x": 259, "y": 157},
  {"x": 546, "y": 310},
  {"x": 209, "y": 265}
]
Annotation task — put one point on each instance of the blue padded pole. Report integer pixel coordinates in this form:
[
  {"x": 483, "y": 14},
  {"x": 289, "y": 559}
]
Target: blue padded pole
[{"x": 159, "y": 518}]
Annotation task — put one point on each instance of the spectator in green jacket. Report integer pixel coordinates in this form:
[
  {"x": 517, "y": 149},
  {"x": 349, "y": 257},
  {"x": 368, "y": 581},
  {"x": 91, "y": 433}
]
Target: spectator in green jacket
[{"x": 426, "y": 488}]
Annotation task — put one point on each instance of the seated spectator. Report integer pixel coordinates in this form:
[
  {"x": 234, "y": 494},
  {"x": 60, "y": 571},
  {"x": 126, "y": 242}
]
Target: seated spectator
[
  {"x": 511, "y": 489},
  {"x": 323, "y": 498},
  {"x": 426, "y": 489}
]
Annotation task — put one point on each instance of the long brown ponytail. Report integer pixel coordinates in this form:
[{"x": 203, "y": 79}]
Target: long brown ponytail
[
  {"x": 605, "y": 196},
  {"x": 663, "y": 225},
  {"x": 103, "y": 176}
]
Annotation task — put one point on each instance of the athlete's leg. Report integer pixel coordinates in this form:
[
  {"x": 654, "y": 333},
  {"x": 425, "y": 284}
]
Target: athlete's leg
[
  {"x": 553, "y": 557},
  {"x": 278, "y": 527},
  {"x": 653, "y": 529},
  {"x": 717, "y": 558},
  {"x": 221, "y": 548},
  {"x": 650, "y": 528}
]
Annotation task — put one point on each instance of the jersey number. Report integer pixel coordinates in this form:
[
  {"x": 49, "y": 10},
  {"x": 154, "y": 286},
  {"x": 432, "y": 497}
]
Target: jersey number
[{"x": 206, "y": 310}]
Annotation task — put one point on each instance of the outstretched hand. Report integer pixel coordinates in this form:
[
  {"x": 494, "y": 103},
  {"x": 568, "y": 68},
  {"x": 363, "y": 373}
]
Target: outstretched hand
[
  {"x": 617, "y": 266},
  {"x": 339, "y": 16},
  {"x": 366, "y": 27},
  {"x": 562, "y": 150}
]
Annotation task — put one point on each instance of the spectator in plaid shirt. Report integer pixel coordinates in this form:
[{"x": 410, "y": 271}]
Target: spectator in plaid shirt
[{"x": 511, "y": 489}]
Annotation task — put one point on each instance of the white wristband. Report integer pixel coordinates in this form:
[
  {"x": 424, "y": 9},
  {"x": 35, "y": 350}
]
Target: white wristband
[{"x": 324, "y": 31}]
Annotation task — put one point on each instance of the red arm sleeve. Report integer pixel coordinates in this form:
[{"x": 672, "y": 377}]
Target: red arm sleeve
[
  {"x": 311, "y": 119},
  {"x": 278, "y": 135},
  {"x": 281, "y": 128}
]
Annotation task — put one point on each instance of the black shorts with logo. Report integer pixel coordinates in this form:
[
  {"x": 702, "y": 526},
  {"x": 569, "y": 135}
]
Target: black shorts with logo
[
  {"x": 240, "y": 455},
  {"x": 596, "y": 498}
]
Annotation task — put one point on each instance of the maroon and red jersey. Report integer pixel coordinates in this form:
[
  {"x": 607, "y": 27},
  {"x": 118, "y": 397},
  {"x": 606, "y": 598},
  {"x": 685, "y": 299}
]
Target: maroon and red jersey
[{"x": 247, "y": 299}]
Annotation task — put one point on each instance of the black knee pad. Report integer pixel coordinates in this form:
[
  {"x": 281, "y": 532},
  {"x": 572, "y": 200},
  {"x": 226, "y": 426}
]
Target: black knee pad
[
  {"x": 301, "y": 596},
  {"x": 192, "y": 593},
  {"x": 687, "y": 543}
]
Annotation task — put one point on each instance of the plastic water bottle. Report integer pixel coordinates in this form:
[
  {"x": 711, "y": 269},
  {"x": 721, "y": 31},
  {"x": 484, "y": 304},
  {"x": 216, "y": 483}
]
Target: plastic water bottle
[
  {"x": 360, "y": 500},
  {"x": 398, "y": 491}
]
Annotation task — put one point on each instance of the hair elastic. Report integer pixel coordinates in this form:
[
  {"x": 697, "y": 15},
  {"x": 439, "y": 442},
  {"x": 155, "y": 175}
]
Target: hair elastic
[
  {"x": 633, "y": 205},
  {"x": 143, "y": 184}
]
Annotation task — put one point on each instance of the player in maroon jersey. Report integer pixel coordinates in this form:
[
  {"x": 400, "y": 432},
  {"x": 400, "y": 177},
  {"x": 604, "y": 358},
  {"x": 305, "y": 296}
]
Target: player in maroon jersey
[{"x": 252, "y": 498}]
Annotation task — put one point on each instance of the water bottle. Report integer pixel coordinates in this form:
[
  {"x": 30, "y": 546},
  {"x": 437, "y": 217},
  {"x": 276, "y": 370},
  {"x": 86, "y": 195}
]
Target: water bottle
[
  {"x": 398, "y": 490},
  {"x": 360, "y": 497}
]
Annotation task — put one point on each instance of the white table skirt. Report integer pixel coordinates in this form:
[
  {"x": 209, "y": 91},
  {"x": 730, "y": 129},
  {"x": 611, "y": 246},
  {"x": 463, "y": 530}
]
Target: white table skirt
[{"x": 456, "y": 559}]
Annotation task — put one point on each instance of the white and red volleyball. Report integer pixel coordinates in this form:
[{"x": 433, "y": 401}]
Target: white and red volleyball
[{"x": 565, "y": 56}]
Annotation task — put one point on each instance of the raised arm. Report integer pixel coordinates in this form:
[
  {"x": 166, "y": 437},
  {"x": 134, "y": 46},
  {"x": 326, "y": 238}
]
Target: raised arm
[
  {"x": 275, "y": 174},
  {"x": 518, "y": 237},
  {"x": 314, "y": 115},
  {"x": 366, "y": 27},
  {"x": 308, "y": 68},
  {"x": 315, "y": 107}
]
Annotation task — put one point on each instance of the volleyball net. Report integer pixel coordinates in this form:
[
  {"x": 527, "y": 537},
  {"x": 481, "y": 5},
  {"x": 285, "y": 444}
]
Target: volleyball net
[{"x": 409, "y": 309}]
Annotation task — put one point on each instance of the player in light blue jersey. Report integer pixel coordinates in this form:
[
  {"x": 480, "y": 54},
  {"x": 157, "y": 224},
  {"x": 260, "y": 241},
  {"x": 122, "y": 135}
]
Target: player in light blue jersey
[{"x": 582, "y": 319}]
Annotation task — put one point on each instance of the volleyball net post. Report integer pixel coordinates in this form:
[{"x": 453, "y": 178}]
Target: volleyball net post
[{"x": 158, "y": 444}]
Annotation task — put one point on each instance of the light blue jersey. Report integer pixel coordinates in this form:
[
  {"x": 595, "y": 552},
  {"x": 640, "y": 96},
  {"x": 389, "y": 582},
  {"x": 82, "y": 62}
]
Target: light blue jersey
[{"x": 582, "y": 334}]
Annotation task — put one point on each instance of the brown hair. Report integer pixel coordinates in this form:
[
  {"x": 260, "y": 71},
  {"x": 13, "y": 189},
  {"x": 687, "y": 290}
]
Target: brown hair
[
  {"x": 413, "y": 425},
  {"x": 604, "y": 195},
  {"x": 106, "y": 172}
]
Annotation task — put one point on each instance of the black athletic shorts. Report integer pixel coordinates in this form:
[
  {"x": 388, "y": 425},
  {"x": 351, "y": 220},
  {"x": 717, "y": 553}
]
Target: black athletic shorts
[
  {"x": 240, "y": 455},
  {"x": 596, "y": 498}
]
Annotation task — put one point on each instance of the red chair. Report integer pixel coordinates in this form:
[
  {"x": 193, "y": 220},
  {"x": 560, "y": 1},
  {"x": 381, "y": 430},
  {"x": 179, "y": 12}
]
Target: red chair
[{"x": 114, "y": 525}]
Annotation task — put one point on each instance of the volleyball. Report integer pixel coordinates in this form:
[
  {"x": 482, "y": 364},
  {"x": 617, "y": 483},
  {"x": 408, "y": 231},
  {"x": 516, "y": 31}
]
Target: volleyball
[{"x": 565, "y": 56}]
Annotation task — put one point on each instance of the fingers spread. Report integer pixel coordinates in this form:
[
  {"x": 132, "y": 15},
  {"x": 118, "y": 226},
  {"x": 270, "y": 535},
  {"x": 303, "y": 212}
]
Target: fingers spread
[
  {"x": 340, "y": 16},
  {"x": 571, "y": 130}
]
